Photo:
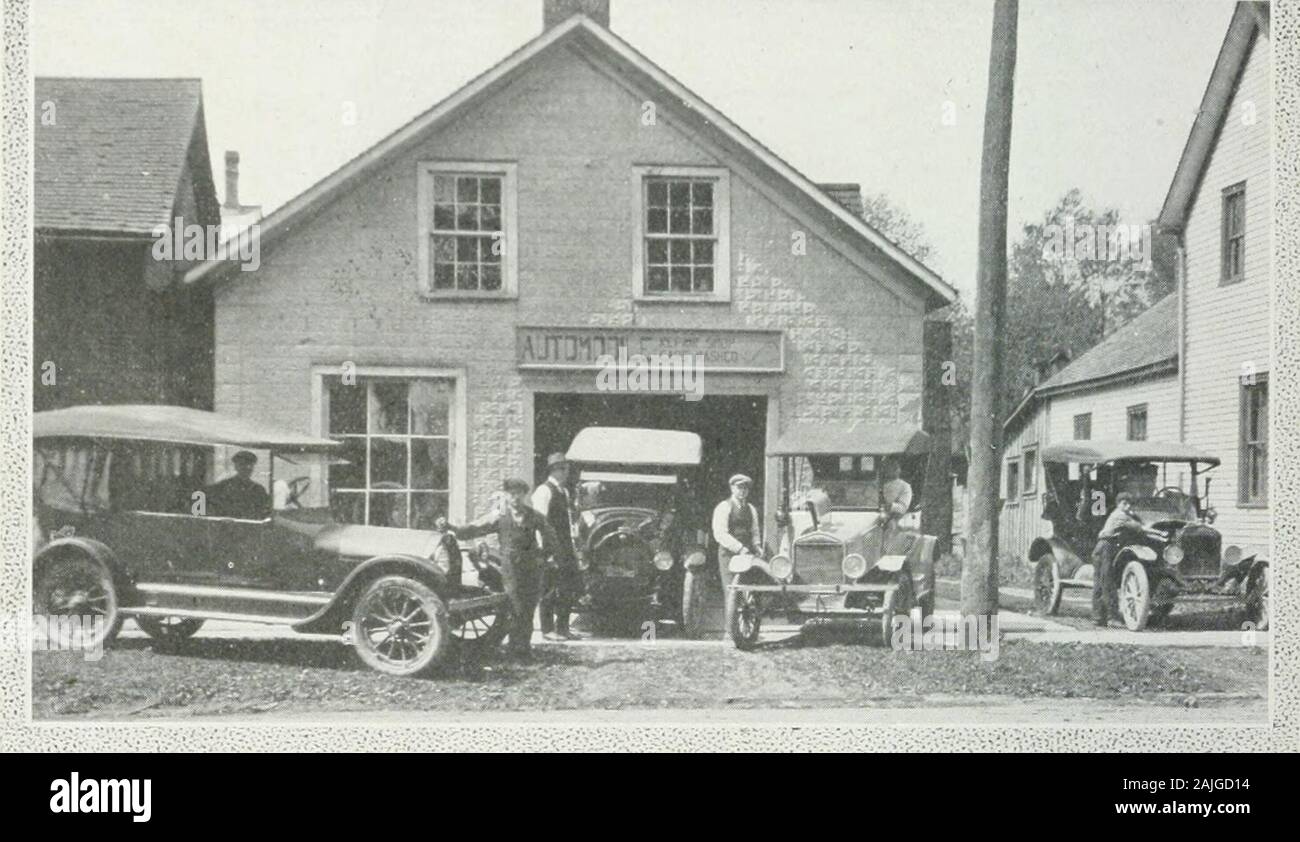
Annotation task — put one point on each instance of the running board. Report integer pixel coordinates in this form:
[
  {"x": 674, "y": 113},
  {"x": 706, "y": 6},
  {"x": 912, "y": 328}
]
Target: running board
[
  {"x": 199, "y": 614},
  {"x": 213, "y": 592}
]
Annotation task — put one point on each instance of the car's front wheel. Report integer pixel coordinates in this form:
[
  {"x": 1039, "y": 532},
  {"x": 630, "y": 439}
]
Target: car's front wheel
[
  {"x": 1135, "y": 596},
  {"x": 1257, "y": 599},
  {"x": 898, "y": 605},
  {"x": 399, "y": 626},
  {"x": 743, "y": 618},
  {"x": 74, "y": 595},
  {"x": 169, "y": 629}
]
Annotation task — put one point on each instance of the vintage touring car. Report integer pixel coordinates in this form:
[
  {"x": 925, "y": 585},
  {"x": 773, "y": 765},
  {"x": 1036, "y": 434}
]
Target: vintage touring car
[
  {"x": 636, "y": 512},
  {"x": 842, "y": 555},
  {"x": 1178, "y": 554},
  {"x": 128, "y": 526}
]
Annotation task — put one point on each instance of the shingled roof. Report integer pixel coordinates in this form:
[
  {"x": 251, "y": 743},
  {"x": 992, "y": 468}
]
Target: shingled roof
[
  {"x": 1147, "y": 343},
  {"x": 113, "y": 157}
]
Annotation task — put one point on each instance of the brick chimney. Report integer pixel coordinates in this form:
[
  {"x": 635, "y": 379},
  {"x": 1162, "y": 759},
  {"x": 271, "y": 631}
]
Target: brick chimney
[
  {"x": 847, "y": 194},
  {"x": 232, "y": 179},
  {"x": 555, "y": 12}
]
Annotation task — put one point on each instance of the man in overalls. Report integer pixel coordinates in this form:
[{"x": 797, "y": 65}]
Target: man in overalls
[
  {"x": 736, "y": 527},
  {"x": 526, "y": 541}
]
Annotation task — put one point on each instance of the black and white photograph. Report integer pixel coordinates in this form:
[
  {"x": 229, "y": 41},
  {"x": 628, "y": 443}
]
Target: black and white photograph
[{"x": 651, "y": 363}]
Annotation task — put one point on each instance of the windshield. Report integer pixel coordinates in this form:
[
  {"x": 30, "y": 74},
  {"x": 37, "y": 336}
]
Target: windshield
[
  {"x": 607, "y": 493},
  {"x": 1160, "y": 490}
]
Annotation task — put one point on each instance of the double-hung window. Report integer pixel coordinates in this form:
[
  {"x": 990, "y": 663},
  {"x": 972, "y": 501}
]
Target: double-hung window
[
  {"x": 682, "y": 249},
  {"x": 467, "y": 230},
  {"x": 1253, "y": 454},
  {"x": 1234, "y": 233}
]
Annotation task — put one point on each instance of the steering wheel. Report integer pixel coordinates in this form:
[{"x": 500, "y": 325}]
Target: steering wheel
[
  {"x": 1170, "y": 491},
  {"x": 297, "y": 487}
]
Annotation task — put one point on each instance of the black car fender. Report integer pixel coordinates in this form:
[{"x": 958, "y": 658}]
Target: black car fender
[
  {"x": 123, "y": 581},
  {"x": 330, "y": 618},
  {"x": 1068, "y": 560}
]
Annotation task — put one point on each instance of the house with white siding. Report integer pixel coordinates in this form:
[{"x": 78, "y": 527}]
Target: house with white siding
[
  {"x": 1219, "y": 207},
  {"x": 1194, "y": 367}
]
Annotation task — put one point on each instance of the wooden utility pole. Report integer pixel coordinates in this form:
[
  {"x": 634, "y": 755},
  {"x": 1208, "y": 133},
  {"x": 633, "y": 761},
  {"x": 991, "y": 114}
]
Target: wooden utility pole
[{"x": 979, "y": 575}]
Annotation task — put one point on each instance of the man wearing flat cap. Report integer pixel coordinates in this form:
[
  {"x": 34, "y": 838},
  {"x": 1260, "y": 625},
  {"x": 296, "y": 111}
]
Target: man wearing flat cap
[
  {"x": 239, "y": 496},
  {"x": 525, "y": 539},
  {"x": 736, "y": 527},
  {"x": 561, "y": 580}
]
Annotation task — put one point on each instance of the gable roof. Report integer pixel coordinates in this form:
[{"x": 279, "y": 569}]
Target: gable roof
[
  {"x": 583, "y": 31},
  {"x": 1248, "y": 19},
  {"x": 1146, "y": 345},
  {"x": 113, "y": 158}
]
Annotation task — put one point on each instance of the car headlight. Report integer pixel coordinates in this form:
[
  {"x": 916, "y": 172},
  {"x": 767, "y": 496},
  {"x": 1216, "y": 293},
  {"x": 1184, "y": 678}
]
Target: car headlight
[
  {"x": 1173, "y": 555},
  {"x": 782, "y": 567},
  {"x": 855, "y": 566},
  {"x": 663, "y": 560},
  {"x": 1232, "y": 554},
  {"x": 695, "y": 559}
]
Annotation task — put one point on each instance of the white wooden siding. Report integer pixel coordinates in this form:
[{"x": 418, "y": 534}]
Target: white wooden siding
[{"x": 1227, "y": 327}]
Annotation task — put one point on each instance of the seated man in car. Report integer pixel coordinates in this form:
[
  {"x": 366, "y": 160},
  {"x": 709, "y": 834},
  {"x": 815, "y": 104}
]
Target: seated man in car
[{"x": 239, "y": 496}]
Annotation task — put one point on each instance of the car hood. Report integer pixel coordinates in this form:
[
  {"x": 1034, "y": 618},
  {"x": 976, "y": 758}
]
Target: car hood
[
  {"x": 370, "y": 541},
  {"x": 623, "y": 515},
  {"x": 844, "y": 526}
]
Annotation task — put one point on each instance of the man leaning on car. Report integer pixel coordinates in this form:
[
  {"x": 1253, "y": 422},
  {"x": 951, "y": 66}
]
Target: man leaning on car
[{"x": 526, "y": 540}]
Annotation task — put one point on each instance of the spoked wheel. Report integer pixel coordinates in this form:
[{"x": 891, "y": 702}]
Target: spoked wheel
[
  {"x": 1047, "y": 585},
  {"x": 743, "y": 618},
  {"x": 1258, "y": 598},
  {"x": 1135, "y": 596},
  {"x": 898, "y": 603},
  {"x": 482, "y": 633},
  {"x": 76, "y": 596},
  {"x": 399, "y": 626},
  {"x": 169, "y": 629},
  {"x": 694, "y": 597}
]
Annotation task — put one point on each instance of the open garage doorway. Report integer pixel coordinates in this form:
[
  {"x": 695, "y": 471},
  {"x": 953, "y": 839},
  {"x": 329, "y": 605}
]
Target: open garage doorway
[{"x": 732, "y": 429}]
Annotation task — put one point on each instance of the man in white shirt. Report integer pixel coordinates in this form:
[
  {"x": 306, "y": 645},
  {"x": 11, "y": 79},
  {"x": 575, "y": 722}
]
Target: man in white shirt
[
  {"x": 736, "y": 526},
  {"x": 561, "y": 579}
]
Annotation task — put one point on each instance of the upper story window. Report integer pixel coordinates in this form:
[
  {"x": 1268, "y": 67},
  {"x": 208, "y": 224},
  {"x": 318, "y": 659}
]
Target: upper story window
[
  {"x": 1031, "y": 472},
  {"x": 467, "y": 228},
  {"x": 682, "y": 248},
  {"x": 1137, "y": 422},
  {"x": 1083, "y": 426},
  {"x": 1253, "y": 456},
  {"x": 1234, "y": 233}
]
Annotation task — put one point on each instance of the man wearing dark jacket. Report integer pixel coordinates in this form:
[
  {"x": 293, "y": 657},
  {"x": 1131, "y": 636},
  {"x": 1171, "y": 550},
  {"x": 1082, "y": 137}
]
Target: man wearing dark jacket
[
  {"x": 561, "y": 580},
  {"x": 526, "y": 540},
  {"x": 1121, "y": 522}
]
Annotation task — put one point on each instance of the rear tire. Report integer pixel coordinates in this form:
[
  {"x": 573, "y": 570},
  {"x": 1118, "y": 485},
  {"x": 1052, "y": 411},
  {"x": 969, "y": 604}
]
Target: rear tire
[
  {"x": 169, "y": 629},
  {"x": 482, "y": 633},
  {"x": 1135, "y": 596},
  {"x": 743, "y": 620},
  {"x": 399, "y": 626},
  {"x": 1047, "y": 585}
]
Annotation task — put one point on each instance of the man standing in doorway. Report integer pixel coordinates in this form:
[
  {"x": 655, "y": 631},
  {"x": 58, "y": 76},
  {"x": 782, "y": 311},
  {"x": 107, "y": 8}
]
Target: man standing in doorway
[
  {"x": 736, "y": 527},
  {"x": 526, "y": 540},
  {"x": 561, "y": 580}
]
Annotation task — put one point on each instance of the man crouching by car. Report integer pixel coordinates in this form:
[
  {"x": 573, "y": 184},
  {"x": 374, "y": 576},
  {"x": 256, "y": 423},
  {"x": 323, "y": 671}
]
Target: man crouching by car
[{"x": 526, "y": 540}]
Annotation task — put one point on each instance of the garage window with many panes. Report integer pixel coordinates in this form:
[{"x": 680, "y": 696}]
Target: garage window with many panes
[
  {"x": 467, "y": 224},
  {"x": 398, "y": 439},
  {"x": 682, "y": 238}
]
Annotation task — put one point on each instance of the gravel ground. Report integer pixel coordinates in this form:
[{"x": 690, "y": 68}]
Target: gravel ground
[{"x": 218, "y": 676}]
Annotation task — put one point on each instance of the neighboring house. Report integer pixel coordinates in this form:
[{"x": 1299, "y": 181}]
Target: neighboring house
[
  {"x": 1124, "y": 388},
  {"x": 441, "y": 302},
  {"x": 1220, "y": 207},
  {"x": 114, "y": 159},
  {"x": 1194, "y": 368}
]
